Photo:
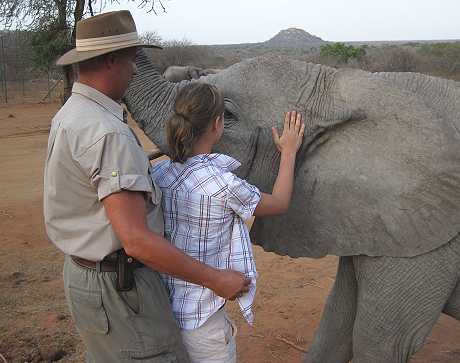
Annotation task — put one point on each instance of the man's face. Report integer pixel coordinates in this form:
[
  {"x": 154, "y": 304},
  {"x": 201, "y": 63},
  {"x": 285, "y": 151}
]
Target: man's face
[{"x": 124, "y": 68}]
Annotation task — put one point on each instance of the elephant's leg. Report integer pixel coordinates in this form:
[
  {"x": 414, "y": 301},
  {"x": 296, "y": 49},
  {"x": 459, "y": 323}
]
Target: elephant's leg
[
  {"x": 333, "y": 339},
  {"x": 399, "y": 300},
  {"x": 452, "y": 307}
]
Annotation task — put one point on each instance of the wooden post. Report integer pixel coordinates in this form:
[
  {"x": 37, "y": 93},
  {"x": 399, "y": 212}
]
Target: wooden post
[
  {"x": 5, "y": 86},
  {"x": 49, "y": 86},
  {"x": 23, "y": 81}
]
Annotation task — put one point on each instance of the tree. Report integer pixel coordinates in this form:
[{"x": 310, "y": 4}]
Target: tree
[
  {"x": 54, "y": 24},
  {"x": 151, "y": 37},
  {"x": 342, "y": 52},
  {"x": 47, "y": 44},
  {"x": 176, "y": 52}
]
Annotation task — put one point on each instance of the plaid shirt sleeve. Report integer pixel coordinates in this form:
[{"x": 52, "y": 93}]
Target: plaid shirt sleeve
[{"x": 242, "y": 197}]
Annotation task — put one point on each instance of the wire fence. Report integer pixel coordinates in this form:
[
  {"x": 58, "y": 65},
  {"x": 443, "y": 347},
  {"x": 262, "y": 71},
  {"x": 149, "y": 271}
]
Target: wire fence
[{"x": 20, "y": 81}]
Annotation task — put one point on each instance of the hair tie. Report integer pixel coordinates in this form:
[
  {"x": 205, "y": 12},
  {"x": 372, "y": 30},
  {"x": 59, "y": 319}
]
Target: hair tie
[{"x": 183, "y": 116}]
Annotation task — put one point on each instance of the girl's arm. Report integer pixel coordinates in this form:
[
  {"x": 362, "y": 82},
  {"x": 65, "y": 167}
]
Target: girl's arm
[{"x": 288, "y": 144}]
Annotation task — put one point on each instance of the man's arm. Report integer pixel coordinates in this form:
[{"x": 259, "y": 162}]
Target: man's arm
[{"x": 127, "y": 213}]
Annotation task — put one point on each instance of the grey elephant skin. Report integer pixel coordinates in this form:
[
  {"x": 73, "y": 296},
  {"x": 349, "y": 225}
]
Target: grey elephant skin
[
  {"x": 377, "y": 183},
  {"x": 180, "y": 73}
]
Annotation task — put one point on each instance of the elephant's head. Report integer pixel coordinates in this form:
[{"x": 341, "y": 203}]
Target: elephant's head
[
  {"x": 378, "y": 172},
  {"x": 256, "y": 96},
  {"x": 180, "y": 73},
  {"x": 208, "y": 71},
  {"x": 194, "y": 72}
]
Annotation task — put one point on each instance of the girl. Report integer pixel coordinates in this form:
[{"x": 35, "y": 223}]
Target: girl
[{"x": 205, "y": 206}]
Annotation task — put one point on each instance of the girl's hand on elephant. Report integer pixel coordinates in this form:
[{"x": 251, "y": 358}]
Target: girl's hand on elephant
[
  {"x": 292, "y": 135},
  {"x": 288, "y": 144}
]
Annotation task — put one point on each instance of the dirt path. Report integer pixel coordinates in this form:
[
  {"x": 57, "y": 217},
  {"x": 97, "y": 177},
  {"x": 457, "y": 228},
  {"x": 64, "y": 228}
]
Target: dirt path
[{"x": 35, "y": 325}]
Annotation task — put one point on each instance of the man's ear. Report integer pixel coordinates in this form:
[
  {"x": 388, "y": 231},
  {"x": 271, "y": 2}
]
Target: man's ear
[{"x": 109, "y": 60}]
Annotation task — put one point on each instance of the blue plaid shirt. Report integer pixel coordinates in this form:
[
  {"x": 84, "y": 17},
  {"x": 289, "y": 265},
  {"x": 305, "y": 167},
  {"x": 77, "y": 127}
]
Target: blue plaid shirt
[{"x": 204, "y": 206}]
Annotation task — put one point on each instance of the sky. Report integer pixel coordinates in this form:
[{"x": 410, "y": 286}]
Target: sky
[{"x": 252, "y": 21}]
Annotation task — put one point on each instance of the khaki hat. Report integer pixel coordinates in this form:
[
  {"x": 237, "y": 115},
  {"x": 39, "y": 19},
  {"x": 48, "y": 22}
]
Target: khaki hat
[{"x": 102, "y": 34}]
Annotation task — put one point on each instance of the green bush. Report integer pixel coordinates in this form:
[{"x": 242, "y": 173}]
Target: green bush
[
  {"x": 441, "y": 58},
  {"x": 449, "y": 50},
  {"x": 47, "y": 44},
  {"x": 342, "y": 52}
]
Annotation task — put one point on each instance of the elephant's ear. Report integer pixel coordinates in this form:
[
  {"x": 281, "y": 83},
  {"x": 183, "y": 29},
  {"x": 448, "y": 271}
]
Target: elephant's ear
[{"x": 388, "y": 185}]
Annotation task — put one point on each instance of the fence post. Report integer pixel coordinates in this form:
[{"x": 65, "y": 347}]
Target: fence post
[
  {"x": 23, "y": 81},
  {"x": 49, "y": 85},
  {"x": 5, "y": 86}
]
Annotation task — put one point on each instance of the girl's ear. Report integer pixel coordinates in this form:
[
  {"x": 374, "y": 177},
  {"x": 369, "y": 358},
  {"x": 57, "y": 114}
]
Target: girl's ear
[{"x": 216, "y": 123}]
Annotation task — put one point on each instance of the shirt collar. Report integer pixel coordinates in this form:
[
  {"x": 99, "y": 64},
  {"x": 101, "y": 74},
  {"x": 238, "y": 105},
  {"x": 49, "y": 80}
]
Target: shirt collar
[
  {"x": 224, "y": 162},
  {"x": 101, "y": 99}
]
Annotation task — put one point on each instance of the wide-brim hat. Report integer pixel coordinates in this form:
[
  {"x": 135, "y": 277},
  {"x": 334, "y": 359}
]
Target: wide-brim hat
[{"x": 102, "y": 34}]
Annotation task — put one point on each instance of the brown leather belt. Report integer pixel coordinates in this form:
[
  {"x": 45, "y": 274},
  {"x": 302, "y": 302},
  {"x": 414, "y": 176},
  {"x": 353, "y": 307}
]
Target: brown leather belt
[{"x": 108, "y": 264}]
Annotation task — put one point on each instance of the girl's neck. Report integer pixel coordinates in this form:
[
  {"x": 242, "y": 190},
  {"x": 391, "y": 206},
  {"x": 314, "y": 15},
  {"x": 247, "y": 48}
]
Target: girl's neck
[{"x": 202, "y": 146}]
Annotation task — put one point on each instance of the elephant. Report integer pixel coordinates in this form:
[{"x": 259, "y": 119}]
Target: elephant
[
  {"x": 180, "y": 73},
  {"x": 377, "y": 183}
]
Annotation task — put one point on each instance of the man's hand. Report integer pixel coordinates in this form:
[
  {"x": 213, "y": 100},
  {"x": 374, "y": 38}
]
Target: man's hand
[{"x": 230, "y": 284}]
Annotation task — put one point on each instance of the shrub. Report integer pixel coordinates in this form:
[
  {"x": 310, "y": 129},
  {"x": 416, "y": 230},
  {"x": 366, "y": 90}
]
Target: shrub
[
  {"x": 391, "y": 59},
  {"x": 440, "y": 58},
  {"x": 177, "y": 52},
  {"x": 183, "y": 52},
  {"x": 342, "y": 52},
  {"x": 47, "y": 44}
]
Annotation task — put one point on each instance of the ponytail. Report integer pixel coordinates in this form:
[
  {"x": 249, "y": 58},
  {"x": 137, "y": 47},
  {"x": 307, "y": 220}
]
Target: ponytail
[
  {"x": 179, "y": 132},
  {"x": 197, "y": 105}
]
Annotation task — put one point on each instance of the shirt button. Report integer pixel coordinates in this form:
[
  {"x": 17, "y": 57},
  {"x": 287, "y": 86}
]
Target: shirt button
[
  {"x": 129, "y": 259},
  {"x": 114, "y": 173}
]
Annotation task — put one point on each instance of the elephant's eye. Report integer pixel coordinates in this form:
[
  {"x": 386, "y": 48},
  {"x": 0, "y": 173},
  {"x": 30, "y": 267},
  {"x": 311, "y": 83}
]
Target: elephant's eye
[
  {"x": 230, "y": 113},
  {"x": 229, "y": 118}
]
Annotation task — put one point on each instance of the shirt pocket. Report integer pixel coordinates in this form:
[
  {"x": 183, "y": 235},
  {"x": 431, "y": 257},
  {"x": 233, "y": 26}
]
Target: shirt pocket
[{"x": 88, "y": 311}]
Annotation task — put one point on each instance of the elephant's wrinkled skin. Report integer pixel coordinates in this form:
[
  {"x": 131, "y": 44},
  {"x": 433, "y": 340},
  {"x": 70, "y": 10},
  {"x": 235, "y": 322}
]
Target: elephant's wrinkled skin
[{"x": 377, "y": 183}]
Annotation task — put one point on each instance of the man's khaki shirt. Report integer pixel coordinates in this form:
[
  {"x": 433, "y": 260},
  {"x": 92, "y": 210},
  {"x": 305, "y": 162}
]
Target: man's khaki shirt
[{"x": 92, "y": 154}]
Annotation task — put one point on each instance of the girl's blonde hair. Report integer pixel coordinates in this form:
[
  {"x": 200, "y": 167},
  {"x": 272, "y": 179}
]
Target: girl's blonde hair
[{"x": 197, "y": 105}]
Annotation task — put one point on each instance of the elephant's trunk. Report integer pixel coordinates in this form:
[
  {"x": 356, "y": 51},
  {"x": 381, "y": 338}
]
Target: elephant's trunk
[{"x": 150, "y": 99}]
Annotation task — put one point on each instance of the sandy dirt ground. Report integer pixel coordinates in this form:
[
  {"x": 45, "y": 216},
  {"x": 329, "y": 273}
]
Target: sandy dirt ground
[{"x": 35, "y": 325}]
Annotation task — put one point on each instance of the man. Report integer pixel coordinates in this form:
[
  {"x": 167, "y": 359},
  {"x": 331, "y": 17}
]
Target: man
[{"x": 101, "y": 209}]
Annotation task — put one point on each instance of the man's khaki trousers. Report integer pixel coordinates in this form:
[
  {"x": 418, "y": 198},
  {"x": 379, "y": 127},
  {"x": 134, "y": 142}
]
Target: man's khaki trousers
[{"x": 133, "y": 326}]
